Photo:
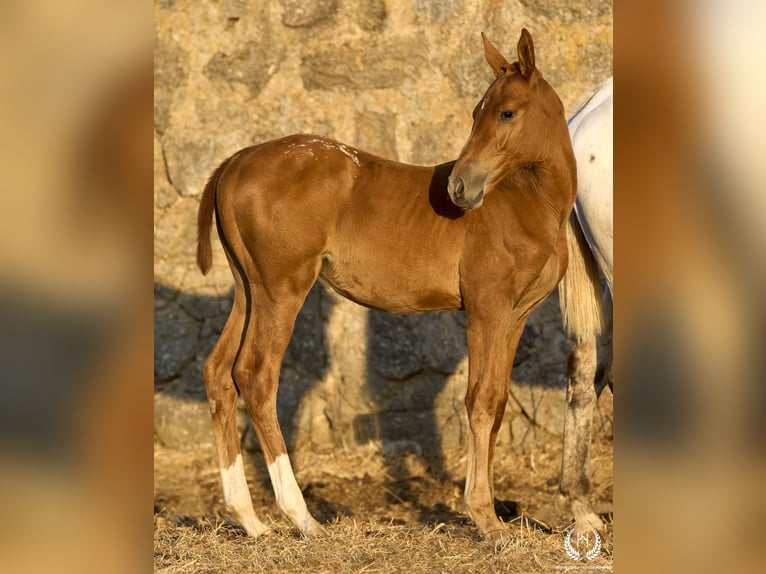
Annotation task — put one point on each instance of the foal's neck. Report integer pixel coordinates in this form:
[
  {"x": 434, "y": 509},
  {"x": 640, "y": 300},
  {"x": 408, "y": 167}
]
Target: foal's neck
[{"x": 546, "y": 181}]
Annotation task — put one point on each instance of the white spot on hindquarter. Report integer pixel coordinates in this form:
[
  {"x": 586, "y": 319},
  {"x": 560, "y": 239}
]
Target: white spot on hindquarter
[
  {"x": 289, "y": 496},
  {"x": 300, "y": 147},
  {"x": 349, "y": 152},
  {"x": 343, "y": 148},
  {"x": 236, "y": 496}
]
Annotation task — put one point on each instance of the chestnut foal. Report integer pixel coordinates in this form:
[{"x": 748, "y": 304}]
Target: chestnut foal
[{"x": 396, "y": 237}]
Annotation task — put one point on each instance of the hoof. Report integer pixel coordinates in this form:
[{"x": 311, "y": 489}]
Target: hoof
[
  {"x": 588, "y": 524},
  {"x": 585, "y": 519},
  {"x": 250, "y": 524},
  {"x": 314, "y": 530},
  {"x": 259, "y": 532}
]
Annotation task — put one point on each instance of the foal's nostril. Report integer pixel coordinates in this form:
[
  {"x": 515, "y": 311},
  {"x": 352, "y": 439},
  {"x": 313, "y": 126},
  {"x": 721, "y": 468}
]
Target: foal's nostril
[{"x": 459, "y": 188}]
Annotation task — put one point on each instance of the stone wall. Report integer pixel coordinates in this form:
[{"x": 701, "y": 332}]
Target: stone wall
[{"x": 395, "y": 77}]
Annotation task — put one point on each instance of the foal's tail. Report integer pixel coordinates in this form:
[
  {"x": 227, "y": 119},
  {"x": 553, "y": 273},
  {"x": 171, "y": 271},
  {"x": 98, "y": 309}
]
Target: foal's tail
[
  {"x": 205, "y": 219},
  {"x": 580, "y": 290}
]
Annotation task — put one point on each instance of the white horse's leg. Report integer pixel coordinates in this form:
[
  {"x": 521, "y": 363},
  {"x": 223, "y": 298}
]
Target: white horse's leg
[{"x": 574, "y": 486}]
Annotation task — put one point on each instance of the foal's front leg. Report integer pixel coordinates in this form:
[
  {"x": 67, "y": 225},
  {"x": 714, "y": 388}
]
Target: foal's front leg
[{"x": 491, "y": 346}]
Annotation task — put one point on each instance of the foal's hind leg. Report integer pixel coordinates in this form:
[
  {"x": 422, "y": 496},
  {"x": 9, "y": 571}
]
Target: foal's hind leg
[
  {"x": 257, "y": 375},
  {"x": 574, "y": 485},
  {"x": 222, "y": 399}
]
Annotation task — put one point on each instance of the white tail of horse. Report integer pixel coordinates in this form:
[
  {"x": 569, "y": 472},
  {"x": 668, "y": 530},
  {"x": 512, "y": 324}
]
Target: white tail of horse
[
  {"x": 590, "y": 250},
  {"x": 580, "y": 290}
]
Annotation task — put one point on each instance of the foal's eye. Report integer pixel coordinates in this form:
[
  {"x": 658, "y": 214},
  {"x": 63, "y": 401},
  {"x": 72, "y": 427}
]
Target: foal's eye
[{"x": 507, "y": 115}]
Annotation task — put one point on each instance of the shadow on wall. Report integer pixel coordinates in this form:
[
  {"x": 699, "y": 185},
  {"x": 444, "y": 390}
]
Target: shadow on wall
[
  {"x": 187, "y": 327},
  {"x": 409, "y": 361}
]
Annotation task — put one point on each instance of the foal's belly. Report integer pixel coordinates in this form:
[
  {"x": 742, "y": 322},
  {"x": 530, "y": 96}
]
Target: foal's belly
[{"x": 392, "y": 283}]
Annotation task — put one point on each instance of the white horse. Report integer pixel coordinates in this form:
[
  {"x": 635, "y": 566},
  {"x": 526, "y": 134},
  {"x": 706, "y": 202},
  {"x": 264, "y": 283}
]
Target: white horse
[{"x": 580, "y": 294}]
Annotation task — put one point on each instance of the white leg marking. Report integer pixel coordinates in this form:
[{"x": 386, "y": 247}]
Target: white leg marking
[
  {"x": 236, "y": 495},
  {"x": 289, "y": 496}
]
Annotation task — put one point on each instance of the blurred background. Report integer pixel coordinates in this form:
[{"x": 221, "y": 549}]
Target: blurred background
[
  {"x": 75, "y": 298},
  {"x": 397, "y": 78},
  {"x": 689, "y": 322}
]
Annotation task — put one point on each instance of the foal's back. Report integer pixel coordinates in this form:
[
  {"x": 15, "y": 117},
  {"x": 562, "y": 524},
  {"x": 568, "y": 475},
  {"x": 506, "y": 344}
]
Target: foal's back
[{"x": 377, "y": 231}]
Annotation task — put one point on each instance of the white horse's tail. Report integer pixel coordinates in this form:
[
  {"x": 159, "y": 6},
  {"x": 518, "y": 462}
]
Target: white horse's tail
[{"x": 580, "y": 290}]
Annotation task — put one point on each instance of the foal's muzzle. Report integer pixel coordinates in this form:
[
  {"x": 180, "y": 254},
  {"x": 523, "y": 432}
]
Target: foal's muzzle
[{"x": 467, "y": 196}]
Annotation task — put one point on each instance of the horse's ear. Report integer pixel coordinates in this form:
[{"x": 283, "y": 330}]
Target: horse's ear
[
  {"x": 495, "y": 59},
  {"x": 526, "y": 50}
]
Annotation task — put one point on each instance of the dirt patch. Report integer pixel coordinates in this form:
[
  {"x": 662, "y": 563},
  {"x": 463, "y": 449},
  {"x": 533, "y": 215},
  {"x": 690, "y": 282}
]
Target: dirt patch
[{"x": 385, "y": 510}]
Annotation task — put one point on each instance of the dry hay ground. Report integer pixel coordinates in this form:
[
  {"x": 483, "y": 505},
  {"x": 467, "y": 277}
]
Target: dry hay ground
[{"x": 385, "y": 511}]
